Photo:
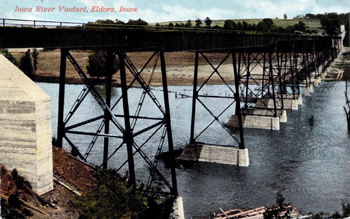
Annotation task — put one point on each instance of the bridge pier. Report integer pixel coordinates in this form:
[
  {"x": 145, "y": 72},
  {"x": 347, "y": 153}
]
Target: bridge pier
[
  {"x": 233, "y": 153},
  {"x": 215, "y": 154},
  {"x": 292, "y": 103},
  {"x": 259, "y": 118},
  {"x": 308, "y": 90}
]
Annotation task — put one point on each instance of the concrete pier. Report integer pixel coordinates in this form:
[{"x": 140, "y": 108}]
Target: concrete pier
[
  {"x": 25, "y": 121},
  {"x": 260, "y": 118},
  {"x": 255, "y": 121},
  {"x": 178, "y": 207},
  {"x": 267, "y": 102},
  {"x": 216, "y": 154},
  {"x": 317, "y": 81},
  {"x": 308, "y": 90},
  {"x": 292, "y": 103}
]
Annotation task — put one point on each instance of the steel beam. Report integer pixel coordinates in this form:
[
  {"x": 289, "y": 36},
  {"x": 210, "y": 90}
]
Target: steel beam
[
  {"x": 128, "y": 135},
  {"x": 168, "y": 123},
  {"x": 107, "y": 118},
  {"x": 194, "y": 97},
  {"x": 60, "y": 128}
]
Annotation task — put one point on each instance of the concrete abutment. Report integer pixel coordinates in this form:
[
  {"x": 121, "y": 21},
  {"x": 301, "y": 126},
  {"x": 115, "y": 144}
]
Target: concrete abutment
[{"x": 25, "y": 120}]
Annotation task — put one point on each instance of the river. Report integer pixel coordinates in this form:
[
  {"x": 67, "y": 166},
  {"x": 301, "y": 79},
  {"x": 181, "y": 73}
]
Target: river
[{"x": 309, "y": 165}]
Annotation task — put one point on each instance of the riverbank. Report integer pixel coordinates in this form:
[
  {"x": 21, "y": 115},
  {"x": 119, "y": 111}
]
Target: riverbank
[
  {"x": 72, "y": 178},
  {"x": 179, "y": 65}
]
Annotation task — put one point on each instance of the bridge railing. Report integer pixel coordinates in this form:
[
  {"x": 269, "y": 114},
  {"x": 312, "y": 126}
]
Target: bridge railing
[
  {"x": 20, "y": 33},
  {"x": 6, "y": 22},
  {"x": 9, "y": 22}
]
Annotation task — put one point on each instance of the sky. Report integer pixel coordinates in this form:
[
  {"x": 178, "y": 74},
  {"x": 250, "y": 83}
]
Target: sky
[{"x": 167, "y": 10}]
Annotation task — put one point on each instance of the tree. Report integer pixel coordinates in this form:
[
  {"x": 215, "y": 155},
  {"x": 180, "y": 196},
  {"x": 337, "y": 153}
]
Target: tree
[
  {"x": 228, "y": 24},
  {"x": 208, "y": 22},
  {"x": 285, "y": 16},
  {"x": 119, "y": 21},
  {"x": 137, "y": 22},
  {"x": 234, "y": 25},
  {"x": 239, "y": 26},
  {"x": 97, "y": 64},
  {"x": 171, "y": 24},
  {"x": 189, "y": 23},
  {"x": 300, "y": 26},
  {"x": 331, "y": 23},
  {"x": 25, "y": 64},
  {"x": 265, "y": 25},
  {"x": 244, "y": 25},
  {"x": 107, "y": 21},
  {"x": 311, "y": 16},
  {"x": 198, "y": 22},
  {"x": 35, "y": 56},
  {"x": 9, "y": 56},
  {"x": 112, "y": 198}
]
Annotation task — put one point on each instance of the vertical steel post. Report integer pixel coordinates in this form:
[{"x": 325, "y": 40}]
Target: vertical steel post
[
  {"x": 314, "y": 55},
  {"x": 128, "y": 135},
  {"x": 109, "y": 69},
  {"x": 297, "y": 73},
  {"x": 271, "y": 79},
  {"x": 279, "y": 66},
  {"x": 263, "y": 78},
  {"x": 237, "y": 78},
  {"x": 292, "y": 71},
  {"x": 247, "y": 81},
  {"x": 168, "y": 122},
  {"x": 60, "y": 123},
  {"x": 194, "y": 97}
]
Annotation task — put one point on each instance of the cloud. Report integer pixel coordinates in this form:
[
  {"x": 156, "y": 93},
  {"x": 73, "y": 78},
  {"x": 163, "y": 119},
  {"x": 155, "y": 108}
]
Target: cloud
[
  {"x": 180, "y": 13},
  {"x": 291, "y": 8},
  {"x": 90, "y": 3}
]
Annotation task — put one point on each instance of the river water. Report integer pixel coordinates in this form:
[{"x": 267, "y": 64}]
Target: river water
[{"x": 309, "y": 165}]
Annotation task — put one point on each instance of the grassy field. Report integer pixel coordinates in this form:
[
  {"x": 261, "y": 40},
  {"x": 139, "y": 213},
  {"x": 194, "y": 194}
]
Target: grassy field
[{"x": 312, "y": 24}]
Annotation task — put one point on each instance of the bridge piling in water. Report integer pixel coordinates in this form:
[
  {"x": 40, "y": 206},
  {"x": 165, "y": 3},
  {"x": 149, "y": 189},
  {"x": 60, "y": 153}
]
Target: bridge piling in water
[{"x": 268, "y": 70}]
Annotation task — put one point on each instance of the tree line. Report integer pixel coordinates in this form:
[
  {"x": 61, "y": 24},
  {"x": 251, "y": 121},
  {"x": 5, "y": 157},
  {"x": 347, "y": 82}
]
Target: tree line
[
  {"x": 330, "y": 24},
  {"x": 28, "y": 62}
]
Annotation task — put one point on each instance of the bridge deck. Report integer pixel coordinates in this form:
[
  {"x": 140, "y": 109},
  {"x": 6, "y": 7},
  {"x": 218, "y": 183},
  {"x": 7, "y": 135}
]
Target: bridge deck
[{"x": 144, "y": 39}]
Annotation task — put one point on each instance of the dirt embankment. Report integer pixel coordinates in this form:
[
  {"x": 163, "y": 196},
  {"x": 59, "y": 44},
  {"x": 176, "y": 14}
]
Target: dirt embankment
[
  {"x": 179, "y": 66},
  {"x": 17, "y": 192}
]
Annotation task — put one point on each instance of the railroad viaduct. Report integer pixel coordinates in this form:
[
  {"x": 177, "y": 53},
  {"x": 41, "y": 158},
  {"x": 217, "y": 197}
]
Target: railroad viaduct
[{"x": 267, "y": 72}]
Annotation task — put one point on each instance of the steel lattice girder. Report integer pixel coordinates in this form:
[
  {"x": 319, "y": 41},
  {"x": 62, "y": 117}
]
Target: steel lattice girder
[{"x": 125, "y": 132}]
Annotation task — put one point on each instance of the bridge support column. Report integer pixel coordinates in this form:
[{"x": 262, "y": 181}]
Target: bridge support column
[
  {"x": 128, "y": 133},
  {"x": 62, "y": 84},
  {"x": 178, "y": 208},
  {"x": 308, "y": 90},
  {"x": 291, "y": 102},
  {"x": 215, "y": 152},
  {"x": 168, "y": 123}
]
